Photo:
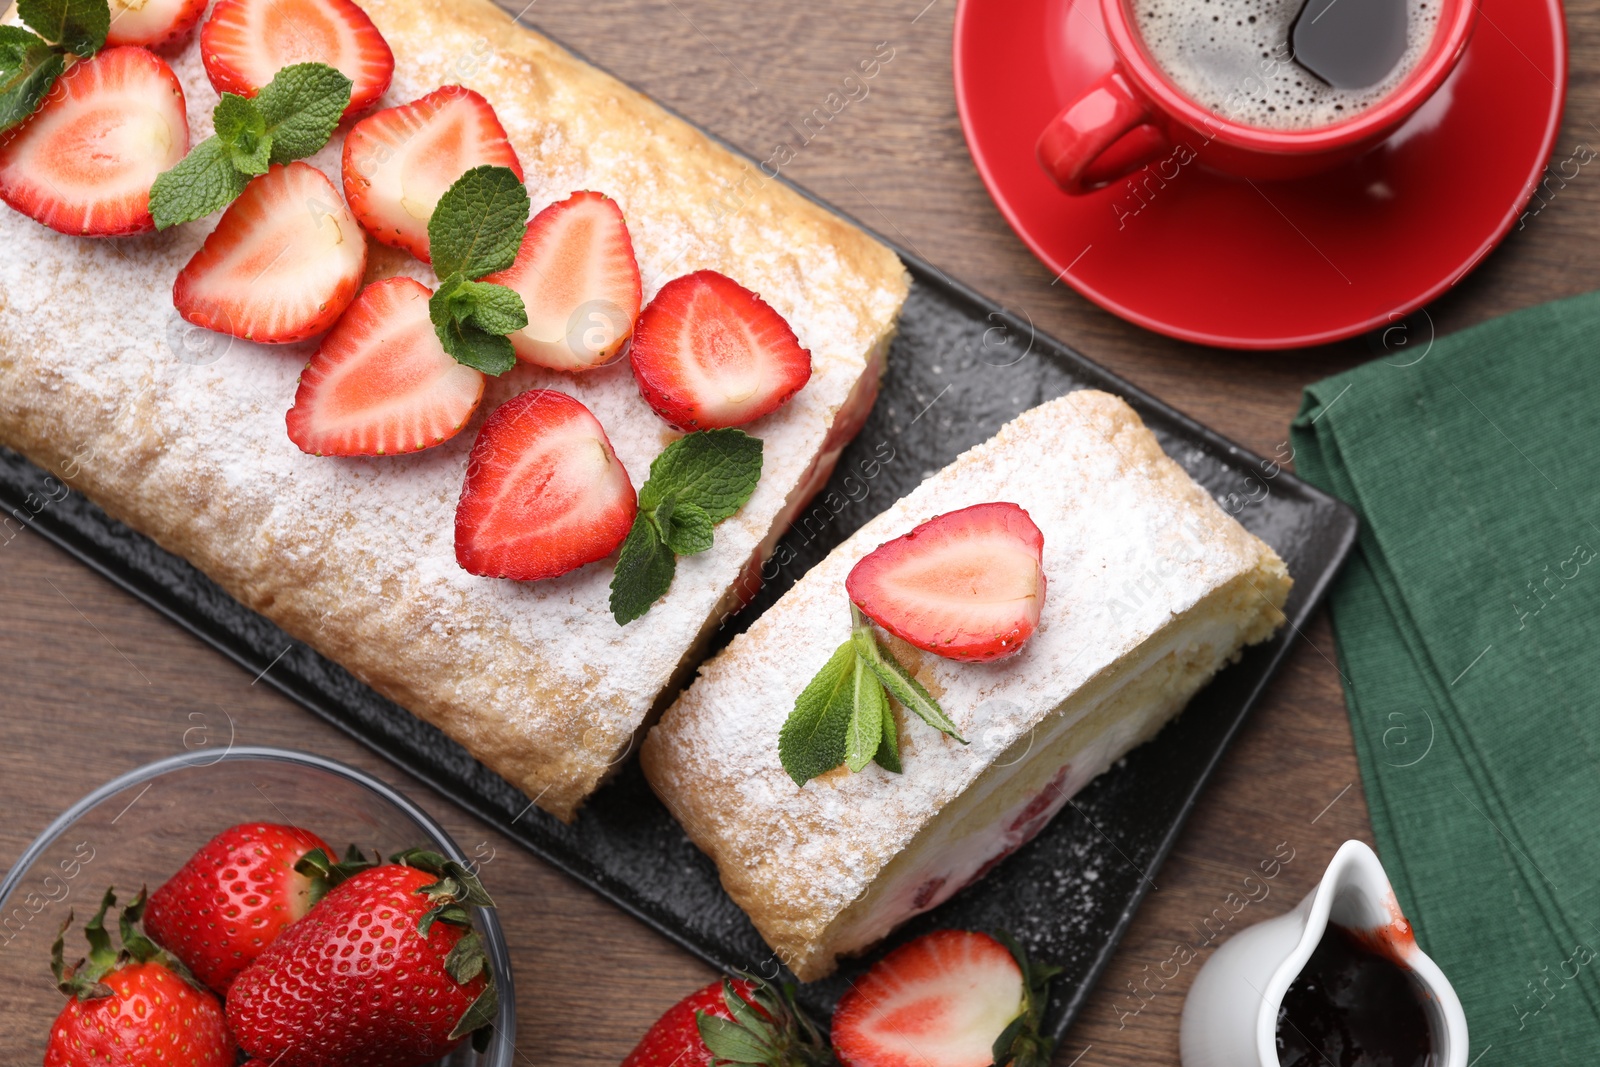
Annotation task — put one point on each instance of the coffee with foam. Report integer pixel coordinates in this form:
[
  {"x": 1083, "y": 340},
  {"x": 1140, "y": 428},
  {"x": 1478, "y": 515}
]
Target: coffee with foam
[{"x": 1235, "y": 58}]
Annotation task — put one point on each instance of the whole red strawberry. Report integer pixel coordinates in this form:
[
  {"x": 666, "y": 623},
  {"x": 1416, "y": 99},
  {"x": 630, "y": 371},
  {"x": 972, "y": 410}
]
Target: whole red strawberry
[
  {"x": 386, "y": 972},
  {"x": 233, "y": 898},
  {"x": 724, "y": 1022},
  {"x": 133, "y": 1008}
]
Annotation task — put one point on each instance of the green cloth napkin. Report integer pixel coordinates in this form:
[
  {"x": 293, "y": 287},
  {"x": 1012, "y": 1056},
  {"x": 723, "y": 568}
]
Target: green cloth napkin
[{"x": 1468, "y": 630}]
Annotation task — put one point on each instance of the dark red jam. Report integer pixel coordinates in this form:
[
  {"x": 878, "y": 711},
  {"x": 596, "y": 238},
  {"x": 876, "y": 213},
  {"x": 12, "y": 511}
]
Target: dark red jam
[{"x": 1353, "y": 1006}]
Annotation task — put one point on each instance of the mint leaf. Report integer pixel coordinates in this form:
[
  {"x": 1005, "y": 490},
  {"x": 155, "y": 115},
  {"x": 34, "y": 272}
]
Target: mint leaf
[
  {"x": 695, "y": 483},
  {"x": 644, "y": 572},
  {"x": 237, "y": 120},
  {"x": 489, "y": 307},
  {"x": 204, "y": 181},
  {"x": 685, "y": 527},
  {"x": 814, "y": 738},
  {"x": 489, "y": 353},
  {"x": 911, "y": 695},
  {"x": 843, "y": 714},
  {"x": 28, "y": 68},
  {"x": 479, "y": 223},
  {"x": 899, "y": 681},
  {"x": 79, "y": 26},
  {"x": 290, "y": 118},
  {"x": 472, "y": 319},
  {"x": 661, "y": 515},
  {"x": 869, "y": 706},
  {"x": 254, "y": 160},
  {"x": 716, "y": 470},
  {"x": 888, "y": 754},
  {"x": 300, "y": 107},
  {"x": 241, "y": 127}
]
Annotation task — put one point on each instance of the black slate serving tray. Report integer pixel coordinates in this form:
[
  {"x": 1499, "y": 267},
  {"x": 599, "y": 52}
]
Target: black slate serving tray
[{"x": 960, "y": 367}]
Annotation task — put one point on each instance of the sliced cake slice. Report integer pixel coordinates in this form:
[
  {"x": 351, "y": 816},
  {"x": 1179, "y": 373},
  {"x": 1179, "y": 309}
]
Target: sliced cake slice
[{"x": 1150, "y": 589}]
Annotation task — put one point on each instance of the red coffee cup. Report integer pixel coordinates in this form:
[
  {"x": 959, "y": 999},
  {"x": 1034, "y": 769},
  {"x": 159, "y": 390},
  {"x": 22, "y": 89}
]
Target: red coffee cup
[{"x": 1135, "y": 115}]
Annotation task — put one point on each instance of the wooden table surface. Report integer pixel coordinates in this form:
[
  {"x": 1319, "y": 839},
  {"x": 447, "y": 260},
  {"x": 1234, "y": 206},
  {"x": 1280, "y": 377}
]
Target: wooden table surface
[{"x": 95, "y": 683}]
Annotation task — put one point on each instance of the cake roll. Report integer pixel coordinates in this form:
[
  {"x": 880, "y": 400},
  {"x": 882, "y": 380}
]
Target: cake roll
[
  {"x": 180, "y": 433},
  {"x": 1150, "y": 589}
]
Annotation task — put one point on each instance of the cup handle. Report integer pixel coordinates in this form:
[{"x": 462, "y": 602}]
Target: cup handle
[{"x": 1103, "y": 135}]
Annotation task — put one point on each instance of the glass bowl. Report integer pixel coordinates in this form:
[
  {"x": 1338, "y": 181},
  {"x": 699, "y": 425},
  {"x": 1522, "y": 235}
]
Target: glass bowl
[{"x": 140, "y": 828}]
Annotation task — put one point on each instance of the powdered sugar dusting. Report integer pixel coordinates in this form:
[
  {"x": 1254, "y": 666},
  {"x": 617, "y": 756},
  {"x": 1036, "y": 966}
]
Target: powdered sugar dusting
[
  {"x": 1129, "y": 542},
  {"x": 356, "y": 556}
]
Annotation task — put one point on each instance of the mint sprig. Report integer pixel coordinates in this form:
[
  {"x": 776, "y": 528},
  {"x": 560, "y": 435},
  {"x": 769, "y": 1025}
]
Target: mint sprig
[
  {"x": 695, "y": 483},
  {"x": 868, "y": 708},
  {"x": 475, "y": 230},
  {"x": 242, "y": 130},
  {"x": 895, "y": 678},
  {"x": 301, "y": 106},
  {"x": 291, "y": 118},
  {"x": 28, "y": 68},
  {"x": 78, "y": 26},
  {"x": 30, "y": 62},
  {"x": 477, "y": 226},
  {"x": 843, "y": 714},
  {"x": 815, "y": 737}
]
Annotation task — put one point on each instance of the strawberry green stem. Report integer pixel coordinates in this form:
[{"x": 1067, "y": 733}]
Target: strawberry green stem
[
  {"x": 1021, "y": 1044},
  {"x": 324, "y": 873},
  {"x": 457, "y": 890},
  {"x": 83, "y": 979},
  {"x": 768, "y": 1030}
]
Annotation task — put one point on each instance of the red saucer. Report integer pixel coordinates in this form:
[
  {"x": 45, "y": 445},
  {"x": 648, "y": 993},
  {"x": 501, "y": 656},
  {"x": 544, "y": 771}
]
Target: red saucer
[{"x": 1227, "y": 262}]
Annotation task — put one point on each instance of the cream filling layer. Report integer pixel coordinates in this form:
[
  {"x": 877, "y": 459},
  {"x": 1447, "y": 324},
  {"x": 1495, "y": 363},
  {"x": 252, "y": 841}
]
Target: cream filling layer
[{"x": 1030, "y": 783}]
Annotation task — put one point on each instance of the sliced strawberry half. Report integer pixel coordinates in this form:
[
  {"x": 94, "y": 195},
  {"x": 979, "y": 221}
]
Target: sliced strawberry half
[
  {"x": 381, "y": 383},
  {"x": 968, "y": 585},
  {"x": 399, "y": 161},
  {"x": 578, "y": 279},
  {"x": 153, "y": 23},
  {"x": 84, "y": 162},
  {"x": 710, "y": 353},
  {"x": 940, "y": 1001},
  {"x": 545, "y": 492},
  {"x": 246, "y": 42},
  {"x": 283, "y": 263}
]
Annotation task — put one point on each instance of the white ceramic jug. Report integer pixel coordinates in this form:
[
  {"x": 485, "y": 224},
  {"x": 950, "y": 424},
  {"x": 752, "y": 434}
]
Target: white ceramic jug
[{"x": 1230, "y": 1018}]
